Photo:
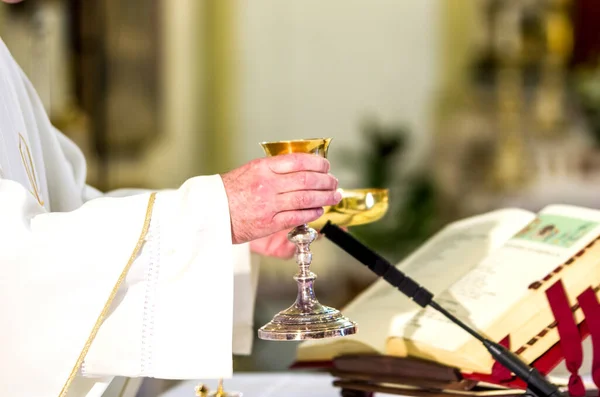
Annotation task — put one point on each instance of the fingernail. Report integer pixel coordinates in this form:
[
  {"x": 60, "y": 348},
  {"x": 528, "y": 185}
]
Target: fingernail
[{"x": 338, "y": 197}]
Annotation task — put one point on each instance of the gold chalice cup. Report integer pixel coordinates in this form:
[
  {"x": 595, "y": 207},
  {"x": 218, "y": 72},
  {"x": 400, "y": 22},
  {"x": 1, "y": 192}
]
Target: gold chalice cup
[{"x": 307, "y": 318}]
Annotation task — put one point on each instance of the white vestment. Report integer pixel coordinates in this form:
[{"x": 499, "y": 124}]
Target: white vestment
[{"x": 64, "y": 246}]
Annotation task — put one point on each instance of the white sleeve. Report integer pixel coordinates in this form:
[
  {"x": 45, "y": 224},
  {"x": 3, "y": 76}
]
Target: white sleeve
[
  {"x": 58, "y": 270},
  {"x": 175, "y": 318},
  {"x": 246, "y": 272},
  {"x": 245, "y": 267}
]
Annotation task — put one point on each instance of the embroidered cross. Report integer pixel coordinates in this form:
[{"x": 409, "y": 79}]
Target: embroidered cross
[{"x": 30, "y": 169}]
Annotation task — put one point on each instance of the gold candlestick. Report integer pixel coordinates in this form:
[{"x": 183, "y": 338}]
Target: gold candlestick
[{"x": 203, "y": 391}]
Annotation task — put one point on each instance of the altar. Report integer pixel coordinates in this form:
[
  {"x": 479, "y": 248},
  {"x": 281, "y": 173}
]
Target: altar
[
  {"x": 285, "y": 384},
  {"x": 268, "y": 385},
  {"x": 320, "y": 384}
]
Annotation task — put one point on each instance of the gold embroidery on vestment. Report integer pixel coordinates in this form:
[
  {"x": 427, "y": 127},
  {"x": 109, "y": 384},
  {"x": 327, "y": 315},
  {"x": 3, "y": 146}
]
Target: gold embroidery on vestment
[
  {"x": 112, "y": 296},
  {"x": 30, "y": 169}
]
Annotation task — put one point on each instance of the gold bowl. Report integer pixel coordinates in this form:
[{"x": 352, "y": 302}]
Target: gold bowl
[
  {"x": 358, "y": 207},
  {"x": 316, "y": 146}
]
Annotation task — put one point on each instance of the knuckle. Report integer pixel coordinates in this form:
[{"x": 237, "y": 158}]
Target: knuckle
[
  {"x": 273, "y": 164},
  {"x": 284, "y": 221},
  {"x": 331, "y": 198},
  {"x": 259, "y": 188},
  {"x": 258, "y": 164},
  {"x": 263, "y": 222},
  {"x": 316, "y": 163},
  {"x": 287, "y": 163},
  {"x": 291, "y": 220},
  {"x": 312, "y": 215},
  {"x": 303, "y": 179},
  {"x": 297, "y": 218},
  {"x": 298, "y": 162},
  {"x": 326, "y": 199},
  {"x": 266, "y": 216},
  {"x": 302, "y": 200},
  {"x": 333, "y": 181}
]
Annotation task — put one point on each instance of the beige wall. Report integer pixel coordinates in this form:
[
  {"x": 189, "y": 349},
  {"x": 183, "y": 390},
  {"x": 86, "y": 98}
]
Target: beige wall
[
  {"x": 176, "y": 156},
  {"x": 41, "y": 51},
  {"x": 311, "y": 69},
  {"x": 239, "y": 72},
  {"x": 461, "y": 32}
]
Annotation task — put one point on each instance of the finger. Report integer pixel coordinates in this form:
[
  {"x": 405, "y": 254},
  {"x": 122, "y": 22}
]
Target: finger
[
  {"x": 285, "y": 250},
  {"x": 306, "y": 199},
  {"x": 296, "y": 162},
  {"x": 290, "y": 219},
  {"x": 305, "y": 180}
]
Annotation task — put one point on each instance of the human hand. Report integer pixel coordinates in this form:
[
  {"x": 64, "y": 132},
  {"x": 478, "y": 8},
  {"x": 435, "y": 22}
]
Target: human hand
[
  {"x": 272, "y": 194},
  {"x": 275, "y": 245}
]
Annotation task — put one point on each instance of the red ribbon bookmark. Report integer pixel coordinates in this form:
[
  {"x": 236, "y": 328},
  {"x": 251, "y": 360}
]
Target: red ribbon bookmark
[
  {"x": 591, "y": 310},
  {"x": 500, "y": 372},
  {"x": 570, "y": 340}
]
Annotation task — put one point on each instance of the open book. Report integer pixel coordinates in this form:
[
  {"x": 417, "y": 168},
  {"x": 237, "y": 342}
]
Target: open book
[{"x": 491, "y": 271}]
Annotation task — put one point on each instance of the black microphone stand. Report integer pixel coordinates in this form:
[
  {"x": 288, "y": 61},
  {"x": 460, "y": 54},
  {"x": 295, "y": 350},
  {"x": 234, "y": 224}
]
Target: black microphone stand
[{"x": 537, "y": 384}]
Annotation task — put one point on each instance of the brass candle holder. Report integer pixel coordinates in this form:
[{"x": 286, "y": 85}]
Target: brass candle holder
[
  {"x": 203, "y": 391},
  {"x": 307, "y": 318}
]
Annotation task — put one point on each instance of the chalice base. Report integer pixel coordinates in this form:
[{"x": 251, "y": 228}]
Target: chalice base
[{"x": 294, "y": 323}]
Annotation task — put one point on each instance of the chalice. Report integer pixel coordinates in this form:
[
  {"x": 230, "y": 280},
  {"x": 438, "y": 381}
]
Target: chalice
[{"x": 307, "y": 318}]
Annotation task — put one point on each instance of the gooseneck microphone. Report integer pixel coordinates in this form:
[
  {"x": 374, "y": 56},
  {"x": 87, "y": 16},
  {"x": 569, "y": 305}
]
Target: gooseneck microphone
[{"x": 537, "y": 384}]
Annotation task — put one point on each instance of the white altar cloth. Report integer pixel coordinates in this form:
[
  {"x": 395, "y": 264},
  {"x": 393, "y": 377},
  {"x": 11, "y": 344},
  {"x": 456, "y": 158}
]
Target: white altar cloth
[
  {"x": 315, "y": 384},
  {"x": 296, "y": 384},
  {"x": 267, "y": 385}
]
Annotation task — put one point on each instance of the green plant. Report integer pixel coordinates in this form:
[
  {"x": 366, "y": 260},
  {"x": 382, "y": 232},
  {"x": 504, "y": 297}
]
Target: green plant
[{"x": 412, "y": 215}]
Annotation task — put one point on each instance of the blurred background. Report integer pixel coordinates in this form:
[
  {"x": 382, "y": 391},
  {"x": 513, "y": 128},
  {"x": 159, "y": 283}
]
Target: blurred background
[{"x": 457, "y": 106}]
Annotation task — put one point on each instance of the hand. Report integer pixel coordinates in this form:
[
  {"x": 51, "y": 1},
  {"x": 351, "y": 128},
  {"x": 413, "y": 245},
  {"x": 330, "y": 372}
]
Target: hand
[
  {"x": 276, "y": 245},
  {"x": 271, "y": 194}
]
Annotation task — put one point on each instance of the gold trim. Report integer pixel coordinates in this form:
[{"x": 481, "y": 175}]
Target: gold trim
[
  {"x": 30, "y": 169},
  {"x": 113, "y": 293}
]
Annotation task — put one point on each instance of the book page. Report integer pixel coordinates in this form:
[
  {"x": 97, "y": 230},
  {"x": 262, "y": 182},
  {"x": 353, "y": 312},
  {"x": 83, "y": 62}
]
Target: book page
[
  {"x": 501, "y": 280},
  {"x": 437, "y": 264}
]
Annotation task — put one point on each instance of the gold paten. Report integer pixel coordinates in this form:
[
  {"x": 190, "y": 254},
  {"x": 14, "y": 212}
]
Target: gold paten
[{"x": 358, "y": 207}]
